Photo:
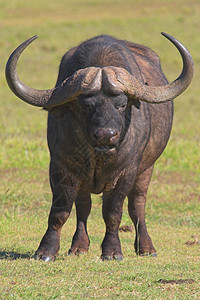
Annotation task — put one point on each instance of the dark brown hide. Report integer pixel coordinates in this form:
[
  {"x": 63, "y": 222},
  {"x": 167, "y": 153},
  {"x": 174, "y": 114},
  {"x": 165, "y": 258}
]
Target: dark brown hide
[{"x": 110, "y": 117}]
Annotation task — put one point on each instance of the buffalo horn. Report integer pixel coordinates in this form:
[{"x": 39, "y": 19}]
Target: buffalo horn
[
  {"x": 85, "y": 81},
  {"x": 121, "y": 80}
]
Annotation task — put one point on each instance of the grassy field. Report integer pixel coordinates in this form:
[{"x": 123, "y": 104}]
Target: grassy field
[{"x": 173, "y": 208}]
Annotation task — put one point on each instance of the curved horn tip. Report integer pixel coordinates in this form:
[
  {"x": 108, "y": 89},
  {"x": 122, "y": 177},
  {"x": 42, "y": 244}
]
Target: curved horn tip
[
  {"x": 168, "y": 36},
  {"x": 30, "y": 40},
  {"x": 27, "y": 42},
  {"x": 164, "y": 33},
  {"x": 173, "y": 40},
  {"x": 178, "y": 45},
  {"x": 34, "y": 37}
]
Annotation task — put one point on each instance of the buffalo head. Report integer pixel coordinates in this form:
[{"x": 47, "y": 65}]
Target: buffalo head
[
  {"x": 88, "y": 81},
  {"x": 98, "y": 91}
]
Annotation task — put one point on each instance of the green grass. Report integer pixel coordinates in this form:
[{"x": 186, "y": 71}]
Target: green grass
[{"x": 173, "y": 206}]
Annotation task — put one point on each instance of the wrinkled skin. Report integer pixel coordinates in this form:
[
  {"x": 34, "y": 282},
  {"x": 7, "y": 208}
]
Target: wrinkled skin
[{"x": 105, "y": 143}]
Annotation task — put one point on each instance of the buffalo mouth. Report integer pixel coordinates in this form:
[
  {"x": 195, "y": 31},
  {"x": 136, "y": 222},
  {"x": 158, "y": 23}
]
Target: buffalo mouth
[{"x": 111, "y": 149}]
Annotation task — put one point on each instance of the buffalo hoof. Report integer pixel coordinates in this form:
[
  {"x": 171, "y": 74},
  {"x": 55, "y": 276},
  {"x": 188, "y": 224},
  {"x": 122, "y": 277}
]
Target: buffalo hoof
[
  {"x": 153, "y": 254},
  {"x": 45, "y": 258},
  {"x": 77, "y": 252},
  {"x": 106, "y": 258},
  {"x": 148, "y": 254},
  {"x": 145, "y": 246},
  {"x": 80, "y": 244},
  {"x": 118, "y": 257}
]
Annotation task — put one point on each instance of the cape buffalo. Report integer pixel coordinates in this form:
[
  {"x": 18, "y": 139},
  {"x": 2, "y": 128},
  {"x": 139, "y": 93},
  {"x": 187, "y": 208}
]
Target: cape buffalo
[{"x": 109, "y": 119}]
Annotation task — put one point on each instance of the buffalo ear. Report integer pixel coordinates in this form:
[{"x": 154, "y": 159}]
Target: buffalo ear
[
  {"x": 58, "y": 112},
  {"x": 134, "y": 102}
]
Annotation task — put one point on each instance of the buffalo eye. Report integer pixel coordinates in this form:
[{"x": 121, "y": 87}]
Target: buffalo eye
[
  {"x": 121, "y": 109},
  {"x": 86, "y": 107},
  {"x": 120, "y": 102},
  {"x": 121, "y": 106},
  {"x": 86, "y": 103}
]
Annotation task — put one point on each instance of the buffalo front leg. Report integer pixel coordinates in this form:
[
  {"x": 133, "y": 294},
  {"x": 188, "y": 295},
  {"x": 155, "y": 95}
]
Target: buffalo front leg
[
  {"x": 65, "y": 189},
  {"x": 136, "y": 208},
  {"x": 112, "y": 214},
  {"x": 80, "y": 241}
]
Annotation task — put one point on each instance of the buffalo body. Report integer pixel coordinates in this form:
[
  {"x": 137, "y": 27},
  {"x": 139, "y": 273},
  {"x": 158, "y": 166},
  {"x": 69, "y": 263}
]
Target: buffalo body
[{"x": 109, "y": 119}]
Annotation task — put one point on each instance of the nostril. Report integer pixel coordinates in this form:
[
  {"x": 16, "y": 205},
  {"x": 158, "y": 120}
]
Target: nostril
[
  {"x": 106, "y": 135},
  {"x": 115, "y": 133},
  {"x": 95, "y": 136},
  {"x": 112, "y": 133},
  {"x": 114, "y": 138},
  {"x": 98, "y": 133}
]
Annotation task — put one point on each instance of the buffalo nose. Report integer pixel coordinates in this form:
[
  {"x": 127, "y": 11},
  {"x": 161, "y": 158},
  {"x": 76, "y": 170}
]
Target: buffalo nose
[{"x": 106, "y": 135}]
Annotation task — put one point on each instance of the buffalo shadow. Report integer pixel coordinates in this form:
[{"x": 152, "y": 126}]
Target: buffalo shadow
[{"x": 13, "y": 255}]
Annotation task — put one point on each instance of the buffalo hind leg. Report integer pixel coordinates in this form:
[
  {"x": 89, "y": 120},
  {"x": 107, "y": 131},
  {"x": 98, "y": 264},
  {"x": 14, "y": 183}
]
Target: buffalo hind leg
[
  {"x": 112, "y": 214},
  {"x": 65, "y": 189},
  {"x": 80, "y": 241},
  {"x": 136, "y": 208}
]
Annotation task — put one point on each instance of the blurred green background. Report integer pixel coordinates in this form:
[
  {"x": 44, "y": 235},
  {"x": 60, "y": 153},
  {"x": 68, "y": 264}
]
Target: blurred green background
[{"x": 25, "y": 198}]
